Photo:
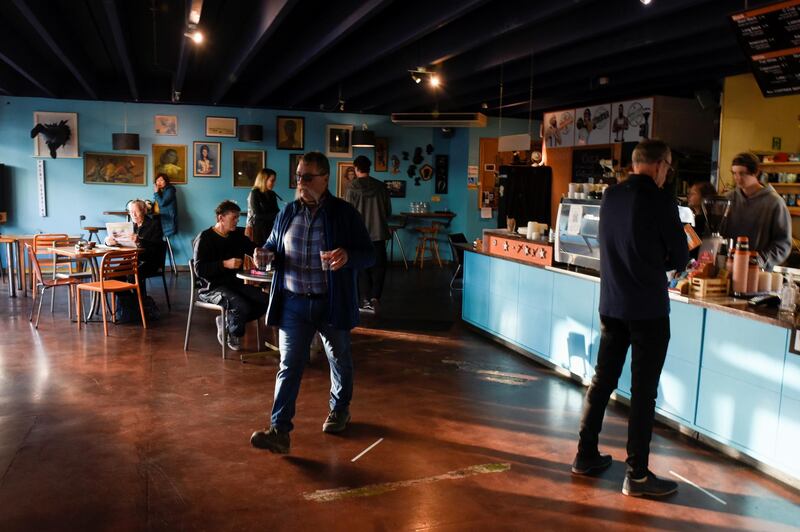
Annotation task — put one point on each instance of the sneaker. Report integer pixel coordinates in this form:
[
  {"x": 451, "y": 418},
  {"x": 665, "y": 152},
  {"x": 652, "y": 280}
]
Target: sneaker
[
  {"x": 375, "y": 304},
  {"x": 234, "y": 342},
  {"x": 220, "y": 331},
  {"x": 336, "y": 422},
  {"x": 593, "y": 464},
  {"x": 649, "y": 486},
  {"x": 366, "y": 306},
  {"x": 273, "y": 440}
]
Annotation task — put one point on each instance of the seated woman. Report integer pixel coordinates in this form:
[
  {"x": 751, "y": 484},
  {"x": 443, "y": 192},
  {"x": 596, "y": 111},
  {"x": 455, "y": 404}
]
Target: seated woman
[{"x": 148, "y": 236}]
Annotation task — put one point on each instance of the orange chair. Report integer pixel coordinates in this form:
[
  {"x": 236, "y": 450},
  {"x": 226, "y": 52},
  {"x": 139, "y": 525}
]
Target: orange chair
[
  {"x": 427, "y": 238},
  {"x": 115, "y": 268},
  {"x": 41, "y": 243},
  {"x": 41, "y": 284}
]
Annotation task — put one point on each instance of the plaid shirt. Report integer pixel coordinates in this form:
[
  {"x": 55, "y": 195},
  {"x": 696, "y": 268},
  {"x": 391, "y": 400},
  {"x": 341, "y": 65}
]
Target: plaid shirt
[{"x": 302, "y": 243}]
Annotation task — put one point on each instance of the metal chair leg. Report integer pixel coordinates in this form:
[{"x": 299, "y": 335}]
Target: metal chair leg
[
  {"x": 455, "y": 276},
  {"x": 402, "y": 251},
  {"x": 171, "y": 257},
  {"x": 224, "y": 332},
  {"x": 39, "y": 311},
  {"x": 188, "y": 325},
  {"x": 166, "y": 292}
]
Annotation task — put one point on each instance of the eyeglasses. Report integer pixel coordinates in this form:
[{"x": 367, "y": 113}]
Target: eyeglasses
[
  {"x": 306, "y": 177},
  {"x": 670, "y": 168}
]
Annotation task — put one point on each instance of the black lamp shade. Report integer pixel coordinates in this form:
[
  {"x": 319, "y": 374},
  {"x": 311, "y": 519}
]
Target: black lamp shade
[
  {"x": 125, "y": 141},
  {"x": 251, "y": 133},
  {"x": 363, "y": 138}
]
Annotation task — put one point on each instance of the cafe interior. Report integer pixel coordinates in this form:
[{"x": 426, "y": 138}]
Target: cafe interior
[{"x": 497, "y": 127}]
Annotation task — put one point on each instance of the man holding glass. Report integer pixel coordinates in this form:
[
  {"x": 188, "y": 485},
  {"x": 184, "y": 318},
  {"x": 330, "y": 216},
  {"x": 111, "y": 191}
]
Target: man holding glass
[{"x": 319, "y": 243}]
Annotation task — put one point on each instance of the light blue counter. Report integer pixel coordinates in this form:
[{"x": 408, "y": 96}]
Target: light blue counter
[{"x": 728, "y": 378}]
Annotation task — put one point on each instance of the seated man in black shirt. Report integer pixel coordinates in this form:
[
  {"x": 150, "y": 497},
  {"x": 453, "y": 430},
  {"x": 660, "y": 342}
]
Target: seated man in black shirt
[
  {"x": 148, "y": 237},
  {"x": 218, "y": 254}
]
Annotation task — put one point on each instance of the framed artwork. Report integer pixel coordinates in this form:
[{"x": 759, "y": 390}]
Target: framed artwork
[
  {"x": 166, "y": 124},
  {"x": 294, "y": 160},
  {"x": 114, "y": 169},
  {"x": 206, "y": 159},
  {"x": 396, "y": 188},
  {"x": 559, "y": 131},
  {"x": 592, "y": 125},
  {"x": 631, "y": 120},
  {"x": 220, "y": 126},
  {"x": 55, "y": 135},
  {"x": 291, "y": 132},
  {"x": 441, "y": 173},
  {"x": 381, "y": 154},
  {"x": 337, "y": 141},
  {"x": 246, "y": 165},
  {"x": 345, "y": 172},
  {"x": 171, "y": 159}
]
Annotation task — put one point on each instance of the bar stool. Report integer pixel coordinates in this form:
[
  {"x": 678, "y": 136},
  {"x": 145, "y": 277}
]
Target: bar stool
[
  {"x": 427, "y": 238},
  {"x": 172, "y": 265},
  {"x": 93, "y": 232},
  {"x": 395, "y": 223}
]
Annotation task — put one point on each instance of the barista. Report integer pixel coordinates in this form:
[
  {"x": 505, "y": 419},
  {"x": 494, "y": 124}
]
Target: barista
[{"x": 759, "y": 213}]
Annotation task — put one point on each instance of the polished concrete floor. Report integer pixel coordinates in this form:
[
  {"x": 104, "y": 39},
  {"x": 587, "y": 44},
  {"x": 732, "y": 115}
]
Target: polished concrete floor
[{"x": 130, "y": 432}]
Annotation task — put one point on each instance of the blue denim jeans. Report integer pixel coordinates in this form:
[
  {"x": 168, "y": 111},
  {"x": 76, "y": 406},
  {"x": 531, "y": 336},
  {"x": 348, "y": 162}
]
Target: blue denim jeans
[{"x": 300, "y": 319}]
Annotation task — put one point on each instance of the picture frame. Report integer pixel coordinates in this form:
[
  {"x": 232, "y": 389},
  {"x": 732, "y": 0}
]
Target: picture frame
[
  {"x": 337, "y": 140},
  {"x": 396, "y": 188},
  {"x": 221, "y": 126},
  {"x": 173, "y": 160},
  {"x": 345, "y": 173},
  {"x": 69, "y": 150},
  {"x": 165, "y": 124},
  {"x": 294, "y": 160},
  {"x": 290, "y": 132},
  {"x": 114, "y": 168},
  {"x": 208, "y": 165},
  {"x": 381, "y": 154},
  {"x": 246, "y": 165}
]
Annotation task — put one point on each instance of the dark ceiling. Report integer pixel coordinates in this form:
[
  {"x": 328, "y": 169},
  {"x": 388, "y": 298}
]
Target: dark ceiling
[{"x": 302, "y": 54}]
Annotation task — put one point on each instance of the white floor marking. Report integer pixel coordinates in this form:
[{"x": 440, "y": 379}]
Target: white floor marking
[
  {"x": 365, "y": 451},
  {"x": 698, "y": 487},
  {"x": 377, "y": 489}
]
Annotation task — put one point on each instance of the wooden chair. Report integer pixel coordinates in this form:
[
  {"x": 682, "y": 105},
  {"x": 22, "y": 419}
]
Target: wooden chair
[
  {"x": 427, "y": 239},
  {"x": 41, "y": 284},
  {"x": 115, "y": 270}
]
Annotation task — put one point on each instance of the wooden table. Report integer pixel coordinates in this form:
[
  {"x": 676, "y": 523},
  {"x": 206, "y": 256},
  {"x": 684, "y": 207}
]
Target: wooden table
[
  {"x": 9, "y": 243},
  {"x": 446, "y": 216},
  {"x": 264, "y": 281},
  {"x": 15, "y": 244}
]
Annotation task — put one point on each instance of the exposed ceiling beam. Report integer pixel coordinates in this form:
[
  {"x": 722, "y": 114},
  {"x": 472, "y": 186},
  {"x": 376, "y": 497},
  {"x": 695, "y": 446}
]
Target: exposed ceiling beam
[
  {"x": 267, "y": 20},
  {"x": 48, "y": 39},
  {"x": 296, "y": 59},
  {"x": 183, "y": 54},
  {"x": 119, "y": 43},
  {"x": 6, "y": 45}
]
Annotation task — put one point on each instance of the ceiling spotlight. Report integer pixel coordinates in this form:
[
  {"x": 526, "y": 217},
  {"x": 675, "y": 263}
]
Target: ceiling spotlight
[
  {"x": 194, "y": 34},
  {"x": 416, "y": 78},
  {"x": 434, "y": 80},
  {"x": 646, "y": 2},
  {"x": 484, "y": 105}
]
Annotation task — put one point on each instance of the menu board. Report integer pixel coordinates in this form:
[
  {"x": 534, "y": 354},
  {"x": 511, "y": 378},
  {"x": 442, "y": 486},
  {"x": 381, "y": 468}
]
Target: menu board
[
  {"x": 770, "y": 36},
  {"x": 586, "y": 163}
]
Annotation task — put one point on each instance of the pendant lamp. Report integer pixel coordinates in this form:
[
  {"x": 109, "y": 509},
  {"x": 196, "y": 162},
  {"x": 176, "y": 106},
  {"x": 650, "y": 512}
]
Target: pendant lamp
[
  {"x": 363, "y": 138},
  {"x": 125, "y": 141},
  {"x": 251, "y": 133}
]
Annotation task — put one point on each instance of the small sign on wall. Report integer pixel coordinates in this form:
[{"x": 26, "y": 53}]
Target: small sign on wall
[{"x": 41, "y": 189}]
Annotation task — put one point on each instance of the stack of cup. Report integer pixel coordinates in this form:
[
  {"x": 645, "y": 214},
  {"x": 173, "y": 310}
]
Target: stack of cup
[
  {"x": 764, "y": 282},
  {"x": 531, "y": 230},
  {"x": 574, "y": 190}
]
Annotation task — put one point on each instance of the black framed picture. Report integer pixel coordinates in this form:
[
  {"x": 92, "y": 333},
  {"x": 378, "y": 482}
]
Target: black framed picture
[
  {"x": 290, "y": 132},
  {"x": 294, "y": 160},
  {"x": 396, "y": 188}
]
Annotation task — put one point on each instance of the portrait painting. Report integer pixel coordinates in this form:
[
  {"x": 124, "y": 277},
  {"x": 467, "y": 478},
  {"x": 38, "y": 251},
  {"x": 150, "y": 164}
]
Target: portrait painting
[
  {"x": 55, "y": 135},
  {"x": 221, "y": 126},
  {"x": 114, "y": 169},
  {"x": 396, "y": 188},
  {"x": 246, "y": 165},
  {"x": 345, "y": 173},
  {"x": 294, "y": 160},
  {"x": 166, "y": 124},
  {"x": 290, "y": 132},
  {"x": 206, "y": 159},
  {"x": 170, "y": 159},
  {"x": 338, "y": 140},
  {"x": 381, "y": 154}
]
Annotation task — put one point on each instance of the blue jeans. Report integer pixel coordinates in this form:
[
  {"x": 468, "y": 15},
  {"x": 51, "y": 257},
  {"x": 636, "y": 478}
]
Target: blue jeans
[{"x": 301, "y": 318}]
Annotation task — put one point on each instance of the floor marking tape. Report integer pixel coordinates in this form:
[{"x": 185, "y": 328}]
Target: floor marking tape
[
  {"x": 377, "y": 489},
  {"x": 698, "y": 487},
  {"x": 365, "y": 451}
]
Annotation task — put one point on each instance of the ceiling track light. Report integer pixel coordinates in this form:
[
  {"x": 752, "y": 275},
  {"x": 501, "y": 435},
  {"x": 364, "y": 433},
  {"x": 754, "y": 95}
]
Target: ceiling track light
[
  {"x": 646, "y": 2},
  {"x": 421, "y": 73},
  {"x": 194, "y": 34}
]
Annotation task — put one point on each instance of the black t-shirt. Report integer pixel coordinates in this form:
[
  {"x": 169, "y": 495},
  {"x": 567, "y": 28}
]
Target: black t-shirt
[{"x": 211, "y": 249}]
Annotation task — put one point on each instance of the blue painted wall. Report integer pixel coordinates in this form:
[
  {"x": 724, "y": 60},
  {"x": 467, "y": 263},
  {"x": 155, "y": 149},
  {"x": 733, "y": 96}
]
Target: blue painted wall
[{"x": 68, "y": 197}]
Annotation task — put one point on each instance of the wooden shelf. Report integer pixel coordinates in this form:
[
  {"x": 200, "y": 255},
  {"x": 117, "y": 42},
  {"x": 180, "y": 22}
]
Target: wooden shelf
[
  {"x": 781, "y": 165},
  {"x": 785, "y": 185}
]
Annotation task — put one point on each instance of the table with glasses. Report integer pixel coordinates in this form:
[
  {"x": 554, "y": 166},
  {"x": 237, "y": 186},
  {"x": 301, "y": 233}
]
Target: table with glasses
[{"x": 264, "y": 281}]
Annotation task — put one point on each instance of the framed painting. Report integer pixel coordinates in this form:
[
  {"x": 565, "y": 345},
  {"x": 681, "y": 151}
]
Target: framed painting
[
  {"x": 294, "y": 160},
  {"x": 206, "y": 159},
  {"x": 221, "y": 126},
  {"x": 290, "y": 132},
  {"x": 171, "y": 159},
  {"x": 396, "y": 188},
  {"x": 55, "y": 135},
  {"x": 166, "y": 124},
  {"x": 337, "y": 141},
  {"x": 345, "y": 173},
  {"x": 114, "y": 169},
  {"x": 246, "y": 165},
  {"x": 381, "y": 154}
]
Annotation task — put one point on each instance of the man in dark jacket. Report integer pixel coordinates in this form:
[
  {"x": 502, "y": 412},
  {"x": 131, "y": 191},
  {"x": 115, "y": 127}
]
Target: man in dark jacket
[
  {"x": 641, "y": 237},
  {"x": 319, "y": 242},
  {"x": 218, "y": 255},
  {"x": 370, "y": 198}
]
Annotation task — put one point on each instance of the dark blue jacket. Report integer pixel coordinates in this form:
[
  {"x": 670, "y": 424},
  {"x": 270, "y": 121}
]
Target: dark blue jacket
[
  {"x": 641, "y": 238},
  {"x": 345, "y": 229},
  {"x": 167, "y": 210}
]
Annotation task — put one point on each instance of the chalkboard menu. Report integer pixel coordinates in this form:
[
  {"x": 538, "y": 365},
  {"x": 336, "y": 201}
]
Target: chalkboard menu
[
  {"x": 585, "y": 163},
  {"x": 770, "y": 36}
]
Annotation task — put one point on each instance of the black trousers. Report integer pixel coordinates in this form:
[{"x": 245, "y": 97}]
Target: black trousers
[
  {"x": 244, "y": 303},
  {"x": 648, "y": 340},
  {"x": 370, "y": 280}
]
